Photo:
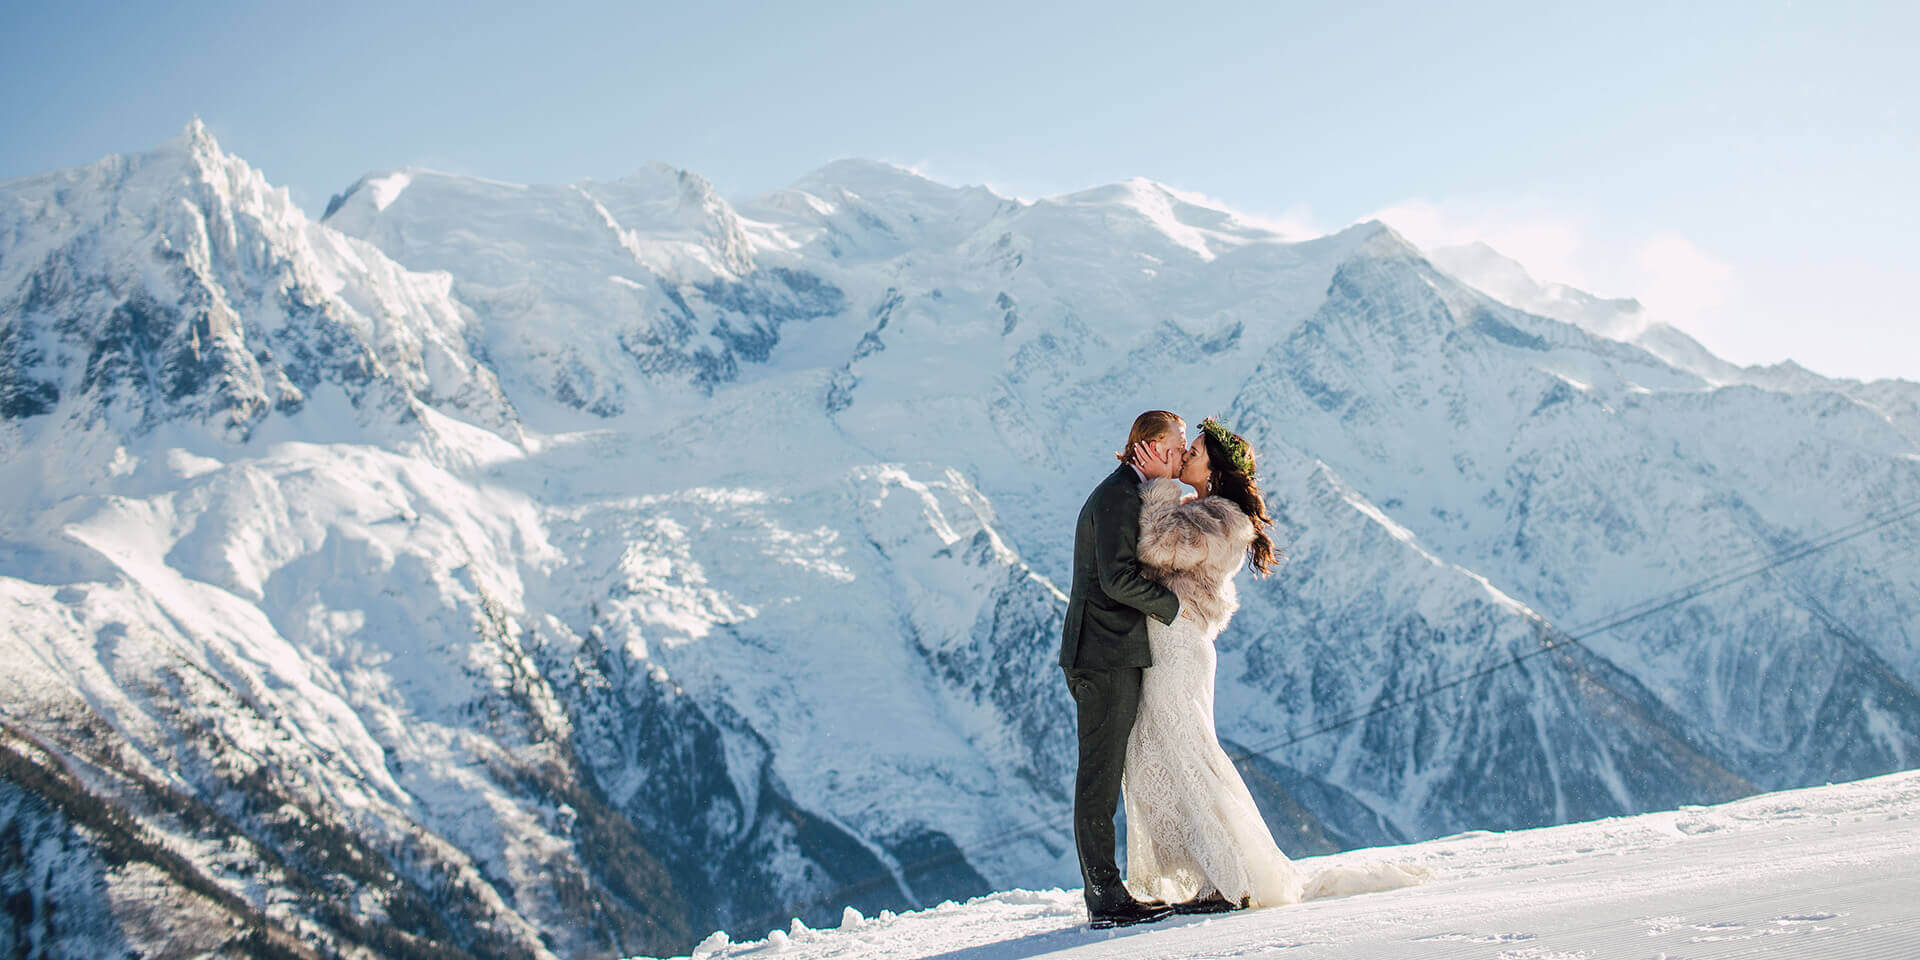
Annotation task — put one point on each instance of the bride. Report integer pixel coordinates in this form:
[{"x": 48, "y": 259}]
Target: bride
[{"x": 1193, "y": 833}]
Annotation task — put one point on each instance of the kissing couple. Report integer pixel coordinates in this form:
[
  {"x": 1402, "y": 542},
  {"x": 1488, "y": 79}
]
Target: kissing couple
[{"x": 1153, "y": 586}]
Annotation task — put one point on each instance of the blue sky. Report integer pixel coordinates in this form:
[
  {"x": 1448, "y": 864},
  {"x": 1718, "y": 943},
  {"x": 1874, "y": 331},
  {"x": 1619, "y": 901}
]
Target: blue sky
[{"x": 1747, "y": 170}]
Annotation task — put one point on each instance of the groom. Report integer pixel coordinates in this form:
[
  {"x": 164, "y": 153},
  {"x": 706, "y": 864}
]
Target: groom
[{"x": 1104, "y": 650}]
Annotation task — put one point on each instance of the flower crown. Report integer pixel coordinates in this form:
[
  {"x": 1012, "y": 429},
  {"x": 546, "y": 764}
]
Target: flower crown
[{"x": 1235, "y": 447}]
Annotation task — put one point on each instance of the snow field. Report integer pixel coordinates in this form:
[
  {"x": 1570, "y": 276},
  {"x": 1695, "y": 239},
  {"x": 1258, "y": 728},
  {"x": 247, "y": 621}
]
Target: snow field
[{"x": 1825, "y": 872}]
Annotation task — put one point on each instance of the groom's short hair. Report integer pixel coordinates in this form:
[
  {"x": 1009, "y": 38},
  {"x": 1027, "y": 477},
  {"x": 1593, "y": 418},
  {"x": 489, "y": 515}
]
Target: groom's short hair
[{"x": 1148, "y": 427}]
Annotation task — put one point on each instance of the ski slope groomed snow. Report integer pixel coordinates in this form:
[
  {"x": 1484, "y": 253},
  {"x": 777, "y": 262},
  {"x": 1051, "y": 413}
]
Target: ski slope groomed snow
[{"x": 1826, "y": 872}]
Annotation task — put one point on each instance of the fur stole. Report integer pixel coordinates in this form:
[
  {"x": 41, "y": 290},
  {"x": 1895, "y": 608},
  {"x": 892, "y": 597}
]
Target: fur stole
[{"x": 1194, "y": 547}]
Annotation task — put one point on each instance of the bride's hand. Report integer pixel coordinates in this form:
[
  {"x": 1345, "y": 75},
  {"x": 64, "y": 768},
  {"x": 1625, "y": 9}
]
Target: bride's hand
[{"x": 1153, "y": 463}]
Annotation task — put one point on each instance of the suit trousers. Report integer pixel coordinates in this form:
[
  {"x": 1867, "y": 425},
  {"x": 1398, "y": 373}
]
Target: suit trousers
[{"x": 1107, "y": 701}]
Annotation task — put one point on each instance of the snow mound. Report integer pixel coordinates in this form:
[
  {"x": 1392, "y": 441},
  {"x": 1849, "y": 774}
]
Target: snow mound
[{"x": 1820, "y": 872}]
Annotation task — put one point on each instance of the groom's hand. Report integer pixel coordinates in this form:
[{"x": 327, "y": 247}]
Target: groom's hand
[{"x": 1155, "y": 460}]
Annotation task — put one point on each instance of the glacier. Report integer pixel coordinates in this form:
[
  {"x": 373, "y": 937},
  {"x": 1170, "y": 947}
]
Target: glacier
[{"x": 488, "y": 569}]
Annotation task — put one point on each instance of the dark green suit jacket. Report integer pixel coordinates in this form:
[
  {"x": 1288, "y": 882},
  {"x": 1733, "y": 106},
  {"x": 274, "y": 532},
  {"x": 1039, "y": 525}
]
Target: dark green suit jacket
[{"x": 1110, "y": 601}]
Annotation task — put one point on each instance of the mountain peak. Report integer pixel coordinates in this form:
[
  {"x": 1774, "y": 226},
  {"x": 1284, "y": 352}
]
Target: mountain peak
[
  {"x": 1378, "y": 239},
  {"x": 688, "y": 187},
  {"x": 1154, "y": 212},
  {"x": 188, "y": 165},
  {"x": 243, "y": 308},
  {"x": 870, "y": 178},
  {"x": 1139, "y": 191},
  {"x": 194, "y": 142}
]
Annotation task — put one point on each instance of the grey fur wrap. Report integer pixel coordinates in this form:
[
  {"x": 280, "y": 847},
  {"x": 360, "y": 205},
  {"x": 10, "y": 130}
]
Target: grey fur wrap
[{"x": 1194, "y": 547}]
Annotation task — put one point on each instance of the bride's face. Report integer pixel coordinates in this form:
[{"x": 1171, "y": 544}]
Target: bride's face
[{"x": 1194, "y": 474}]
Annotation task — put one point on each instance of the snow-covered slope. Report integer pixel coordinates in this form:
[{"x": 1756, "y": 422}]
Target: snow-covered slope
[
  {"x": 601, "y": 564},
  {"x": 1809, "y": 874}
]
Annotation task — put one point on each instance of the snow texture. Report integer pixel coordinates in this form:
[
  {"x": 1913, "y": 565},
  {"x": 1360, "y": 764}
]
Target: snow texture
[{"x": 1809, "y": 874}]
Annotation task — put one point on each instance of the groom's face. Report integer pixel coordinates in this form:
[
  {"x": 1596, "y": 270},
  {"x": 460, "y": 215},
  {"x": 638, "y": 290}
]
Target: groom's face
[{"x": 1176, "y": 444}]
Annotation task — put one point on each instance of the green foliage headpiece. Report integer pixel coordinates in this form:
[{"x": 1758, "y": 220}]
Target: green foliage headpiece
[{"x": 1235, "y": 447}]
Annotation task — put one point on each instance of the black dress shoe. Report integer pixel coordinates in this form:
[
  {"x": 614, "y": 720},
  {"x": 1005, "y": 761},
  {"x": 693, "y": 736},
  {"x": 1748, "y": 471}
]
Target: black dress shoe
[
  {"x": 1127, "y": 913},
  {"x": 1211, "y": 903}
]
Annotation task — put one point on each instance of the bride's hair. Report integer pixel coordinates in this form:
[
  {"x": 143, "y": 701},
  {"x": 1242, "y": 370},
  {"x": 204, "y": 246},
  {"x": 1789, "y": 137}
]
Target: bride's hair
[{"x": 1226, "y": 479}]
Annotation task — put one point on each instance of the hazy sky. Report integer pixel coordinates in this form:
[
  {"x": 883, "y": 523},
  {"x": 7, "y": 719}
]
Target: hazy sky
[{"x": 1746, "y": 169}]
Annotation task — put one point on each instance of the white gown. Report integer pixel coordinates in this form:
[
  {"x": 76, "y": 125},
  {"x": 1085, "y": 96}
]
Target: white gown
[{"x": 1192, "y": 827}]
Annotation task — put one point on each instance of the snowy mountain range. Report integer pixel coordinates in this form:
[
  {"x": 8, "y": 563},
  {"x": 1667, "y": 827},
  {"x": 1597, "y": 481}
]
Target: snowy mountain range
[{"x": 503, "y": 570}]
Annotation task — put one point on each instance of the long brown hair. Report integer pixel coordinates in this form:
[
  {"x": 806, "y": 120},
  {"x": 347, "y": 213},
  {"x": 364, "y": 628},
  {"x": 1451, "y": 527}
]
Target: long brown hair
[
  {"x": 1148, "y": 427},
  {"x": 1226, "y": 479}
]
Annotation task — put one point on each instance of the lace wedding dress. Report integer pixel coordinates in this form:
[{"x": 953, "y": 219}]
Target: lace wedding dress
[{"x": 1192, "y": 827}]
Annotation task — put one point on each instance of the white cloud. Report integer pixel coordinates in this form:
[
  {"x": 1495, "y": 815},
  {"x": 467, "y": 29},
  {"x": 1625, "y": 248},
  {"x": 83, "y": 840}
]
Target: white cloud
[
  {"x": 1552, "y": 248},
  {"x": 1679, "y": 283},
  {"x": 1294, "y": 223}
]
